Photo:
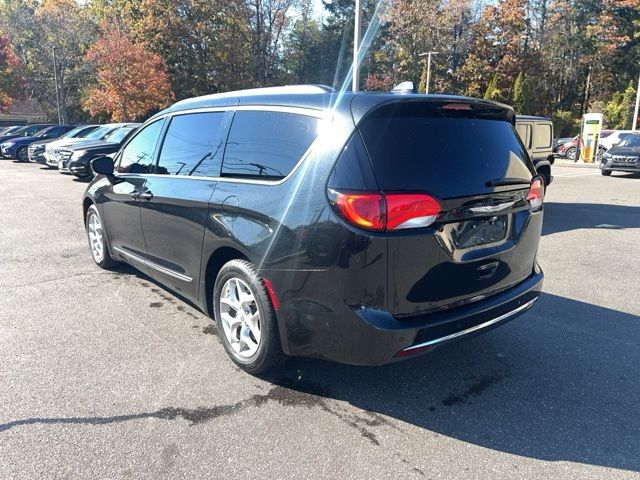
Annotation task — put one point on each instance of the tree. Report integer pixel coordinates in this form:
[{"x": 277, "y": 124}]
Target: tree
[
  {"x": 492, "y": 92},
  {"x": 520, "y": 94},
  {"x": 479, "y": 67},
  {"x": 302, "y": 47},
  {"x": 206, "y": 43},
  {"x": 618, "y": 112},
  {"x": 11, "y": 84},
  {"x": 39, "y": 27},
  {"x": 130, "y": 80},
  {"x": 268, "y": 20}
]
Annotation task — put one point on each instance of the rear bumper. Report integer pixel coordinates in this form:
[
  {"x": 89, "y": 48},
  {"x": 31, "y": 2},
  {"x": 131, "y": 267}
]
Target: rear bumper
[{"x": 375, "y": 337}]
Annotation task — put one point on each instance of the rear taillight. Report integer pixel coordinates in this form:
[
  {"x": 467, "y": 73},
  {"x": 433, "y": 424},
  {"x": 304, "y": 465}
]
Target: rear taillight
[
  {"x": 385, "y": 212},
  {"x": 536, "y": 193}
]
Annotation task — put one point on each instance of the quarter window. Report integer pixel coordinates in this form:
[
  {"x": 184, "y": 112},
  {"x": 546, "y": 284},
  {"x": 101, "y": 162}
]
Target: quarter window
[
  {"x": 137, "y": 156},
  {"x": 193, "y": 145},
  {"x": 267, "y": 145}
]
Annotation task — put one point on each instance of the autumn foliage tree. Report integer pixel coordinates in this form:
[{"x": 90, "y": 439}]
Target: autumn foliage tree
[
  {"x": 130, "y": 80},
  {"x": 10, "y": 82}
]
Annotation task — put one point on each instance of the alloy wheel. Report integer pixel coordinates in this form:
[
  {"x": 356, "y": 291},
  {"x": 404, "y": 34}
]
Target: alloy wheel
[
  {"x": 95, "y": 237},
  {"x": 240, "y": 317}
]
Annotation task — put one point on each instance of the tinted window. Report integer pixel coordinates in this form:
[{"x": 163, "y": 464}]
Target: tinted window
[
  {"x": 193, "y": 145},
  {"x": 137, "y": 156},
  {"x": 451, "y": 154},
  {"x": 267, "y": 144}
]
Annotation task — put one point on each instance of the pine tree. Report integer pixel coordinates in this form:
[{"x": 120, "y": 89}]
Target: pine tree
[
  {"x": 520, "y": 94},
  {"x": 492, "y": 92}
]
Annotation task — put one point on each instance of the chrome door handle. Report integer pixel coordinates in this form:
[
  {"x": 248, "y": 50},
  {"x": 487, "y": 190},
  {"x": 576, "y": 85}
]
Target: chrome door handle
[{"x": 145, "y": 196}]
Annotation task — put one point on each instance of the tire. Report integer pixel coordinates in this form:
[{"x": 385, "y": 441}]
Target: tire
[
  {"x": 98, "y": 240},
  {"x": 572, "y": 154},
  {"x": 606, "y": 173},
  {"x": 253, "y": 340},
  {"x": 22, "y": 155}
]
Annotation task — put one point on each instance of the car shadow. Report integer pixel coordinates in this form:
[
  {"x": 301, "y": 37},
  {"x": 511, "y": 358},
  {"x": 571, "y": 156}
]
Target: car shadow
[
  {"x": 558, "y": 384},
  {"x": 564, "y": 217}
]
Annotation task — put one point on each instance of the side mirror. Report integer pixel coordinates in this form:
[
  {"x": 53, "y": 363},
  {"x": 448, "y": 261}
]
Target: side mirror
[{"x": 102, "y": 165}]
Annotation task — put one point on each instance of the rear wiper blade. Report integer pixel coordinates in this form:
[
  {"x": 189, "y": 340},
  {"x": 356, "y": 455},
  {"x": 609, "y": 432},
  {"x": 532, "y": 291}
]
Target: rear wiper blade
[{"x": 499, "y": 182}]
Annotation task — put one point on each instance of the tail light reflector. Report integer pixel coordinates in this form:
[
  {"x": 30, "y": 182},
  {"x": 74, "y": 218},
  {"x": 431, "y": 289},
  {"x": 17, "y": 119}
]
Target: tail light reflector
[
  {"x": 385, "y": 212},
  {"x": 536, "y": 193}
]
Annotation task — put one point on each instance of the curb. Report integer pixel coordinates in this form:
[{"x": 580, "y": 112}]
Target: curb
[{"x": 568, "y": 163}]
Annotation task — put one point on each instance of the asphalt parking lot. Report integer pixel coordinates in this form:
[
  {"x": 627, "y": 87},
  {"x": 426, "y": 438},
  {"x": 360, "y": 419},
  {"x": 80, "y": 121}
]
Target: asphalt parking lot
[{"x": 109, "y": 375}]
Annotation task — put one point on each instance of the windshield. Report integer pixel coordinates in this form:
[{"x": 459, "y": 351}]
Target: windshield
[
  {"x": 72, "y": 133},
  {"x": 43, "y": 132},
  {"x": 118, "y": 135},
  {"x": 631, "y": 141},
  {"x": 98, "y": 133}
]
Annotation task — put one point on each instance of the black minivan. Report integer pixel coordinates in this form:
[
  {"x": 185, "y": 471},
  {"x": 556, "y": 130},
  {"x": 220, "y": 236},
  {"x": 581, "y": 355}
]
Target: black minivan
[{"x": 356, "y": 227}]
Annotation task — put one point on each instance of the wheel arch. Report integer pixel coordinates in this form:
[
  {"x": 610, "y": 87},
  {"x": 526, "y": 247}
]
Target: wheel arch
[
  {"x": 86, "y": 203},
  {"x": 214, "y": 264}
]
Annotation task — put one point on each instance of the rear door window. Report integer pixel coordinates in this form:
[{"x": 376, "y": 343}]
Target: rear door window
[
  {"x": 193, "y": 145},
  {"x": 416, "y": 147},
  {"x": 267, "y": 145}
]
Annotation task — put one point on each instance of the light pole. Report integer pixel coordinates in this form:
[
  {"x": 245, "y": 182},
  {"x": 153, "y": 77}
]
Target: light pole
[
  {"x": 356, "y": 46},
  {"x": 55, "y": 79},
  {"x": 428, "y": 55},
  {"x": 635, "y": 112}
]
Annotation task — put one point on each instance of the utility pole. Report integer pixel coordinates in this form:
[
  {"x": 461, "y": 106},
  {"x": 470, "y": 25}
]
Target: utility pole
[
  {"x": 55, "y": 79},
  {"x": 356, "y": 47},
  {"x": 428, "y": 55},
  {"x": 635, "y": 112}
]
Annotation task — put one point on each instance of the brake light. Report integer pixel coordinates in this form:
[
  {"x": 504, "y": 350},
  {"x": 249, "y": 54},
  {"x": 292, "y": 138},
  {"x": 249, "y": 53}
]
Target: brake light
[
  {"x": 536, "y": 193},
  {"x": 364, "y": 210},
  {"x": 385, "y": 212},
  {"x": 456, "y": 106},
  {"x": 411, "y": 211}
]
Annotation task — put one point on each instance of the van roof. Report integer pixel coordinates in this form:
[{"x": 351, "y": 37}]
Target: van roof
[
  {"x": 320, "y": 97},
  {"x": 532, "y": 117}
]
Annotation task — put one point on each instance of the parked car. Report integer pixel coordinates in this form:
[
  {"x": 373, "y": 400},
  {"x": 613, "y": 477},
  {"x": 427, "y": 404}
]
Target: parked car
[
  {"x": 623, "y": 157},
  {"x": 24, "y": 131},
  {"x": 76, "y": 159},
  {"x": 614, "y": 138},
  {"x": 9, "y": 129},
  {"x": 536, "y": 134},
  {"x": 569, "y": 150},
  {"x": 36, "y": 149},
  {"x": 361, "y": 232},
  {"x": 560, "y": 141},
  {"x": 18, "y": 147},
  {"x": 52, "y": 150}
]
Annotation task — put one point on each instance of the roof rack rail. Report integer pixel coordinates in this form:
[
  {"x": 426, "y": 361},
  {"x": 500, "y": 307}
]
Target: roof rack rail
[{"x": 291, "y": 89}]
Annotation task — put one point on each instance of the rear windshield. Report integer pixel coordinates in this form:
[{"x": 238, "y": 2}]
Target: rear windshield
[{"x": 450, "y": 154}]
